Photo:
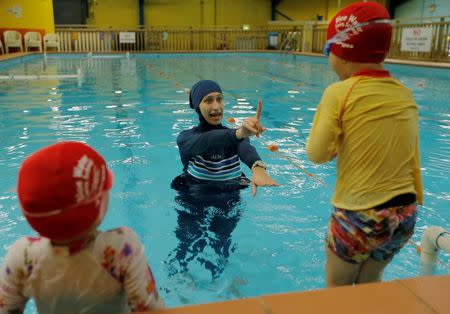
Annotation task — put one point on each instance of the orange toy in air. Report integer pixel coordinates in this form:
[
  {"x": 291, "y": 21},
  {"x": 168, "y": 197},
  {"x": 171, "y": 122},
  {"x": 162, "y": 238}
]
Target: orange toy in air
[
  {"x": 273, "y": 148},
  {"x": 232, "y": 120}
]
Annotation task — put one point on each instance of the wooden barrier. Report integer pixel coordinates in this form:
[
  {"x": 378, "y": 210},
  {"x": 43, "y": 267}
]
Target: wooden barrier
[
  {"x": 306, "y": 37},
  {"x": 80, "y": 39}
]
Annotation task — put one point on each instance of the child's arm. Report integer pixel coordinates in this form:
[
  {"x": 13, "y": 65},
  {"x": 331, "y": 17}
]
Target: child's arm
[
  {"x": 322, "y": 144},
  {"x": 12, "y": 275},
  {"x": 139, "y": 283}
]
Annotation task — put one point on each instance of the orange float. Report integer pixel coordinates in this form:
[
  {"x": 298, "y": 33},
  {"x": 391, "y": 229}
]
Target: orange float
[{"x": 419, "y": 249}]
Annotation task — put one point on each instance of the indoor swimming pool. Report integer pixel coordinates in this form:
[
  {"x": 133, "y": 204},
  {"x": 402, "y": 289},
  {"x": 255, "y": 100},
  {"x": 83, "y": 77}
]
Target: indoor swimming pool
[{"x": 131, "y": 107}]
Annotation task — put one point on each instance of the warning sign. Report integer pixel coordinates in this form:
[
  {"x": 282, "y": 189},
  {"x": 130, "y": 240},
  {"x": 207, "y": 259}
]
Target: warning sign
[
  {"x": 416, "y": 39},
  {"x": 127, "y": 37}
]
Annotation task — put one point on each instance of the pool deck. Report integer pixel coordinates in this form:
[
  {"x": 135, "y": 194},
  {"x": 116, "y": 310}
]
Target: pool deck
[
  {"x": 419, "y": 63},
  {"x": 8, "y": 56},
  {"x": 416, "y": 295},
  {"x": 395, "y": 61}
]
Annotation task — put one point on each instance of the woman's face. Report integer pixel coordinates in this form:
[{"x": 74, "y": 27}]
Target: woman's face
[{"x": 211, "y": 108}]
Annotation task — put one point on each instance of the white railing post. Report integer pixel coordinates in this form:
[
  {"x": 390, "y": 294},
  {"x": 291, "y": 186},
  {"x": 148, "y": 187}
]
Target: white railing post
[{"x": 307, "y": 39}]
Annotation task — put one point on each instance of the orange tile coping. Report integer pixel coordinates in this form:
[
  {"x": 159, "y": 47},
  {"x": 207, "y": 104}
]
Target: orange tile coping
[
  {"x": 394, "y": 61},
  {"x": 418, "y": 295},
  {"x": 13, "y": 55},
  {"x": 419, "y": 63},
  {"x": 434, "y": 291}
]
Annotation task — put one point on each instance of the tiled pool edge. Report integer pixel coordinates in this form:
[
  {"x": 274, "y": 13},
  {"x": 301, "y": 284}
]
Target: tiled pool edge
[
  {"x": 10, "y": 56},
  {"x": 415, "y": 295},
  {"x": 388, "y": 60}
]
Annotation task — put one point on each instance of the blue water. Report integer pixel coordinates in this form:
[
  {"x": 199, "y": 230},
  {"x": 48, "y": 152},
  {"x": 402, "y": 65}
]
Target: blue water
[{"x": 131, "y": 110}]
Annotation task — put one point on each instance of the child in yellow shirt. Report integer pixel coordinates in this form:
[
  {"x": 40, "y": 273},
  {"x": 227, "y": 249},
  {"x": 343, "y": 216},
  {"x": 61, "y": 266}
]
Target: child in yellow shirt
[{"x": 369, "y": 122}]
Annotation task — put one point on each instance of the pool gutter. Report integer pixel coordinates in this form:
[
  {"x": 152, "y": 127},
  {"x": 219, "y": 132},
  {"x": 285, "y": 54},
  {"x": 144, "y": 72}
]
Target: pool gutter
[{"x": 311, "y": 54}]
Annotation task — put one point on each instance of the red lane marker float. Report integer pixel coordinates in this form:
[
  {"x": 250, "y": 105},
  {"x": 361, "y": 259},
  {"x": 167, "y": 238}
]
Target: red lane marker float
[
  {"x": 418, "y": 247},
  {"x": 419, "y": 251},
  {"x": 274, "y": 148}
]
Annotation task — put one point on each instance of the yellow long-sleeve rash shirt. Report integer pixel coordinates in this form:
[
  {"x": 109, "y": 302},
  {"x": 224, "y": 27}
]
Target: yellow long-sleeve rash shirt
[{"x": 371, "y": 125}]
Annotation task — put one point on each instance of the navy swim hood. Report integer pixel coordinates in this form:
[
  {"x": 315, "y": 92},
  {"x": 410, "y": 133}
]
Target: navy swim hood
[{"x": 200, "y": 90}]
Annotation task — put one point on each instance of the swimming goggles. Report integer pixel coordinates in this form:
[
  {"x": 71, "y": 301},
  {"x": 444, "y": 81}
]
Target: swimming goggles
[{"x": 344, "y": 35}]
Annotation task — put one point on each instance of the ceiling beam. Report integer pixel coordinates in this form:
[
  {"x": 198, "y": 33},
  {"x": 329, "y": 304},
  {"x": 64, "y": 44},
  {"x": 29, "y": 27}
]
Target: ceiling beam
[{"x": 274, "y": 4}]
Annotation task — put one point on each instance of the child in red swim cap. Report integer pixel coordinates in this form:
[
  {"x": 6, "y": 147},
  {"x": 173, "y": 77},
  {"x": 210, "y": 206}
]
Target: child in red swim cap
[
  {"x": 72, "y": 267},
  {"x": 369, "y": 122}
]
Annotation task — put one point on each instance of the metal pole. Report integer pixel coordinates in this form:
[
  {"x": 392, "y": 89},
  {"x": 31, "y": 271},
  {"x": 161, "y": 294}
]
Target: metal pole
[
  {"x": 202, "y": 13},
  {"x": 215, "y": 12},
  {"x": 273, "y": 9},
  {"x": 141, "y": 13}
]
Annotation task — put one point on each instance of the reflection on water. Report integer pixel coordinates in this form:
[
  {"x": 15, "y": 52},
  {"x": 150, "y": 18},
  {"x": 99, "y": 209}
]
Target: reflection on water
[{"x": 204, "y": 226}]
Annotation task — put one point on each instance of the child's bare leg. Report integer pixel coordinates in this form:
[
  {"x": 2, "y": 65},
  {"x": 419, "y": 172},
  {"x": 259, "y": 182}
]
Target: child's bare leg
[
  {"x": 340, "y": 272},
  {"x": 371, "y": 271}
]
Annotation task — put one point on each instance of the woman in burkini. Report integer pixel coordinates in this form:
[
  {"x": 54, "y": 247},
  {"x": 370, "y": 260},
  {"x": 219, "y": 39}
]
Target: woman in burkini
[{"x": 211, "y": 153}]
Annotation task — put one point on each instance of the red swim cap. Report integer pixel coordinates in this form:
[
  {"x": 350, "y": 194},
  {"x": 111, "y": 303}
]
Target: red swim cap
[
  {"x": 360, "y": 32},
  {"x": 60, "y": 189}
]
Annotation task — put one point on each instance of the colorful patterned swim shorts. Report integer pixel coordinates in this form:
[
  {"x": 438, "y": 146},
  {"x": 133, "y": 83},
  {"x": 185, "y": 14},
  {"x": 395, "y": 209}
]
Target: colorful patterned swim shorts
[{"x": 355, "y": 236}]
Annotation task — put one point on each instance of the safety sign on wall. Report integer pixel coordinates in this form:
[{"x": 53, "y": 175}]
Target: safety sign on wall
[
  {"x": 416, "y": 39},
  {"x": 15, "y": 10},
  {"x": 127, "y": 37}
]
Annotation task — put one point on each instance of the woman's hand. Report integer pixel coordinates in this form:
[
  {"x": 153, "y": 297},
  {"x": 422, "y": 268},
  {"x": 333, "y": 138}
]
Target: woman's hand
[
  {"x": 260, "y": 177},
  {"x": 251, "y": 126}
]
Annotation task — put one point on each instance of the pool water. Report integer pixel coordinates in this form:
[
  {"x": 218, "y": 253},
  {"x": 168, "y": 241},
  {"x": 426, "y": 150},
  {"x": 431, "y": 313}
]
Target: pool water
[{"x": 131, "y": 108}]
